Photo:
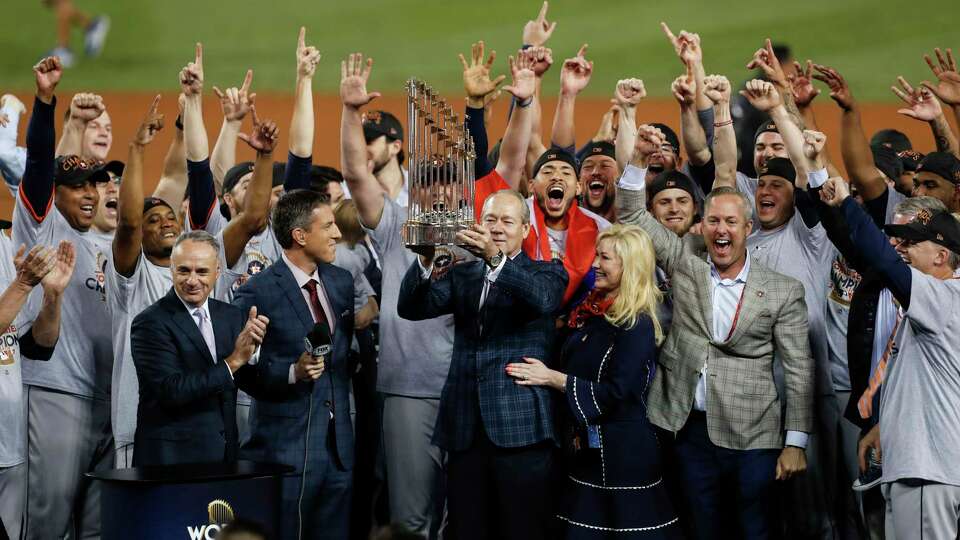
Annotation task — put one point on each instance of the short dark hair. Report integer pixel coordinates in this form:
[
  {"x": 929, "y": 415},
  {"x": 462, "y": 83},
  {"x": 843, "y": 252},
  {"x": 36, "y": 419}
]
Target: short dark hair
[
  {"x": 322, "y": 175},
  {"x": 293, "y": 211},
  {"x": 242, "y": 526}
]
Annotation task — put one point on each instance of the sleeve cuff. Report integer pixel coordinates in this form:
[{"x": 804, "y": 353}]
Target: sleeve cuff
[
  {"x": 817, "y": 178},
  {"x": 424, "y": 272},
  {"x": 291, "y": 375},
  {"x": 633, "y": 178},
  {"x": 797, "y": 438}
]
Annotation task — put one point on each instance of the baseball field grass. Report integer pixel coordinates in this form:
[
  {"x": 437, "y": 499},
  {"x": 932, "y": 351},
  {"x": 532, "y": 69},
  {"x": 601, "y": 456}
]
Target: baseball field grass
[{"x": 869, "y": 41}]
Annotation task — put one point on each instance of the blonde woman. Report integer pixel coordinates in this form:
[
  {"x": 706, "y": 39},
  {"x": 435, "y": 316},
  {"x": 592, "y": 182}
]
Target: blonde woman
[{"x": 614, "y": 480}]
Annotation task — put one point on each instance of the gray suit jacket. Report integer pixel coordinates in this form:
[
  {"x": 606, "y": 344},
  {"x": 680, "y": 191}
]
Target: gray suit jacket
[{"x": 743, "y": 407}]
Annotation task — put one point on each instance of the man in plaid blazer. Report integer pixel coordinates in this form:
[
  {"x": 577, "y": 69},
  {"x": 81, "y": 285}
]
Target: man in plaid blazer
[
  {"x": 499, "y": 434},
  {"x": 714, "y": 387}
]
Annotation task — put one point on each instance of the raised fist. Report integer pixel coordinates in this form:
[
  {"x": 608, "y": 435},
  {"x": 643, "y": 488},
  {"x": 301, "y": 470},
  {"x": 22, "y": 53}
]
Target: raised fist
[
  {"x": 151, "y": 125},
  {"x": 354, "y": 73},
  {"x": 629, "y": 93},
  {"x": 307, "y": 56},
  {"x": 236, "y": 102},
  {"x": 47, "y": 73},
  {"x": 539, "y": 30},
  {"x": 575, "y": 74},
  {"x": 649, "y": 141},
  {"x": 85, "y": 107},
  {"x": 684, "y": 90},
  {"x": 191, "y": 76},
  {"x": 813, "y": 143},
  {"x": 264, "y": 136},
  {"x": 541, "y": 59},
  {"x": 762, "y": 95},
  {"x": 716, "y": 88}
]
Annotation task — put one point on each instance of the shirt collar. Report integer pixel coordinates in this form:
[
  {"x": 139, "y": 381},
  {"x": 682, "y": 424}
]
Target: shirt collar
[
  {"x": 298, "y": 274},
  {"x": 191, "y": 309},
  {"x": 741, "y": 277}
]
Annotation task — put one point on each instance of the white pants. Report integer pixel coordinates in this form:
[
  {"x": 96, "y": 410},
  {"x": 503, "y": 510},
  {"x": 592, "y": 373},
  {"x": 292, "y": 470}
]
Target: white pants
[{"x": 920, "y": 509}]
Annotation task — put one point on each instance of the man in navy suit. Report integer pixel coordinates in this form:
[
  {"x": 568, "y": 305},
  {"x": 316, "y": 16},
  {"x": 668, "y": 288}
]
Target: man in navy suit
[
  {"x": 191, "y": 354},
  {"x": 305, "y": 421},
  {"x": 499, "y": 435}
]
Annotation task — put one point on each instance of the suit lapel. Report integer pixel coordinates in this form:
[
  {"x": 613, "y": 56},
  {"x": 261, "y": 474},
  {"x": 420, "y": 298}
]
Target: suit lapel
[
  {"x": 706, "y": 296},
  {"x": 337, "y": 304},
  {"x": 221, "y": 329},
  {"x": 184, "y": 321},
  {"x": 753, "y": 301},
  {"x": 288, "y": 284}
]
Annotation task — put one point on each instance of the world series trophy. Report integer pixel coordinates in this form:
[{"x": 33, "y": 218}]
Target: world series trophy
[{"x": 441, "y": 177}]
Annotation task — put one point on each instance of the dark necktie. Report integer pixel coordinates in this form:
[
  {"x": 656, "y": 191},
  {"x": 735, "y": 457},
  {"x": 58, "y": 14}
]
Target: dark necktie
[{"x": 311, "y": 287}]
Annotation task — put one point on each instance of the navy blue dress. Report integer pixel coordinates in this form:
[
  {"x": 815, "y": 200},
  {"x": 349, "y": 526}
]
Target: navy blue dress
[{"x": 614, "y": 486}]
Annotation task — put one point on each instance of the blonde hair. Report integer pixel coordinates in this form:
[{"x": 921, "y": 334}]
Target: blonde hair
[
  {"x": 347, "y": 218},
  {"x": 638, "y": 294}
]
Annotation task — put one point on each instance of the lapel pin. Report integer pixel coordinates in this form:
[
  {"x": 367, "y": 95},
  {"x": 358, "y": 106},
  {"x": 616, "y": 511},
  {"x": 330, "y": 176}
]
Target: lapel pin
[{"x": 759, "y": 294}]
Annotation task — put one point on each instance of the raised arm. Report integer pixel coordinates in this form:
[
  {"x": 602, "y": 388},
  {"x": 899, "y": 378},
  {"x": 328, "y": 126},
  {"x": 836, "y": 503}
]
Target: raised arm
[
  {"x": 765, "y": 60},
  {"x": 516, "y": 139},
  {"x": 717, "y": 90},
  {"x": 200, "y": 184},
  {"x": 479, "y": 88},
  {"x": 84, "y": 108},
  {"x": 691, "y": 131},
  {"x": 542, "y": 59},
  {"x": 948, "y": 81},
  {"x": 687, "y": 47},
  {"x": 256, "y": 204},
  {"x": 364, "y": 188},
  {"x": 36, "y": 189},
  {"x": 173, "y": 180},
  {"x": 627, "y": 95},
  {"x": 765, "y": 98},
  {"x": 574, "y": 77},
  {"x": 922, "y": 105},
  {"x": 235, "y": 104},
  {"x": 127, "y": 241},
  {"x": 854, "y": 148}
]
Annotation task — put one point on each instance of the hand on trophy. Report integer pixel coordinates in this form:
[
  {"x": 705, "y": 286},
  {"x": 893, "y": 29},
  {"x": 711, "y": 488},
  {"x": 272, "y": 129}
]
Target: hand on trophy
[
  {"x": 478, "y": 240},
  {"x": 354, "y": 74},
  {"x": 524, "y": 79}
]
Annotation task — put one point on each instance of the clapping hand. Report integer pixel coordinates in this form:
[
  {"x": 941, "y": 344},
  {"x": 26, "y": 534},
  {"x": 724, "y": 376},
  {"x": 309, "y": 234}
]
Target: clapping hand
[
  {"x": 539, "y": 30},
  {"x": 250, "y": 337},
  {"x": 191, "y": 76},
  {"x": 57, "y": 279},
  {"x": 35, "y": 265},
  {"x": 264, "y": 136},
  {"x": 151, "y": 125},
  {"x": 948, "y": 85},
  {"x": 575, "y": 73},
  {"x": 476, "y": 75},
  {"x": 762, "y": 95},
  {"x": 921, "y": 103},
  {"x": 354, "y": 74},
  {"x": 236, "y": 102}
]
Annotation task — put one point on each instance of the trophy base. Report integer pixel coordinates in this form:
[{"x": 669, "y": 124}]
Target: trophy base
[{"x": 429, "y": 234}]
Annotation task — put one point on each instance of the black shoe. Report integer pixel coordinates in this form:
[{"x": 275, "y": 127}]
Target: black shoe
[{"x": 871, "y": 477}]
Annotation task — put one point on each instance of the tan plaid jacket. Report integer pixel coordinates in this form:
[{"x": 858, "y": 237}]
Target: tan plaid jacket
[{"x": 743, "y": 408}]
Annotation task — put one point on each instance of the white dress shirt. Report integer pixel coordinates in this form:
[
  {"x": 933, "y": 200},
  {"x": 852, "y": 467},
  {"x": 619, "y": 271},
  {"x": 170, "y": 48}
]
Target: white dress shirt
[{"x": 726, "y": 295}]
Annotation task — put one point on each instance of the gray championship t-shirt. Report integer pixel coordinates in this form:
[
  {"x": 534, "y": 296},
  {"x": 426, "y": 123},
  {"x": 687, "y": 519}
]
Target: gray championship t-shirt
[
  {"x": 920, "y": 402},
  {"x": 12, "y": 421},
  {"x": 82, "y": 362},
  {"x": 414, "y": 356},
  {"x": 128, "y": 296},
  {"x": 804, "y": 254}
]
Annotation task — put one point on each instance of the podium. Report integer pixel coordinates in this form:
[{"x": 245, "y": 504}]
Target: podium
[{"x": 191, "y": 501}]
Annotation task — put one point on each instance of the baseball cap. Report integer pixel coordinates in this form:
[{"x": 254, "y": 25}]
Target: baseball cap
[
  {"x": 114, "y": 167},
  {"x": 891, "y": 138},
  {"x": 382, "y": 123},
  {"x": 886, "y": 159},
  {"x": 555, "y": 154},
  {"x": 779, "y": 167},
  {"x": 910, "y": 159},
  {"x": 671, "y": 180},
  {"x": 149, "y": 203},
  {"x": 766, "y": 127},
  {"x": 942, "y": 164},
  {"x": 234, "y": 174},
  {"x": 938, "y": 227},
  {"x": 74, "y": 170},
  {"x": 670, "y": 136},
  {"x": 4, "y": 224},
  {"x": 599, "y": 148}
]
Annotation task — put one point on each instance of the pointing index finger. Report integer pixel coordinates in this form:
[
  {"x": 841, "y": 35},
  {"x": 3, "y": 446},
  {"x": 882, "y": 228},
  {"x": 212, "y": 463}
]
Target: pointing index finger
[
  {"x": 302, "y": 40},
  {"x": 247, "y": 80},
  {"x": 199, "y": 55},
  {"x": 670, "y": 36},
  {"x": 543, "y": 12},
  {"x": 582, "y": 51}
]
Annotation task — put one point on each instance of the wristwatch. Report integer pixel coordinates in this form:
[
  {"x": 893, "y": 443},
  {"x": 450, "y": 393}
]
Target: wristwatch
[{"x": 495, "y": 261}]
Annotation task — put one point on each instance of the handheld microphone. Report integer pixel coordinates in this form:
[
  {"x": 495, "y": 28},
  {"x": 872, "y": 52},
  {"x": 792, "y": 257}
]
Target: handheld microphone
[{"x": 317, "y": 341}]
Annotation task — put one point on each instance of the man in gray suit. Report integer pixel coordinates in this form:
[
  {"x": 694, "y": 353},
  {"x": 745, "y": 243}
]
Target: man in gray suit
[{"x": 714, "y": 385}]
